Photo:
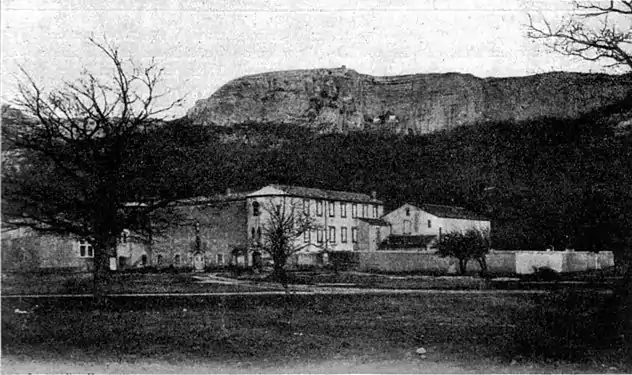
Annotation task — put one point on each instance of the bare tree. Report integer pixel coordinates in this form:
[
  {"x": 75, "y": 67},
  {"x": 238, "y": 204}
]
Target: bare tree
[
  {"x": 282, "y": 233},
  {"x": 597, "y": 31},
  {"x": 81, "y": 170}
]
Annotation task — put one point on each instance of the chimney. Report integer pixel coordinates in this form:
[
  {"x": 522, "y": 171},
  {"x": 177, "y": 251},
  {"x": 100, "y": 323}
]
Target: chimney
[{"x": 374, "y": 194}]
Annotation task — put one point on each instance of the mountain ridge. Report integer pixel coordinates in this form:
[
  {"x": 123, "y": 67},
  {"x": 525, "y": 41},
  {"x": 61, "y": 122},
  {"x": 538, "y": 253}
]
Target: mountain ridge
[{"x": 345, "y": 100}]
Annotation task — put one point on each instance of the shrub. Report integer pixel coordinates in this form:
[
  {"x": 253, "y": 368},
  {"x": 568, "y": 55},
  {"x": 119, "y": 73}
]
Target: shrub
[{"x": 471, "y": 245}]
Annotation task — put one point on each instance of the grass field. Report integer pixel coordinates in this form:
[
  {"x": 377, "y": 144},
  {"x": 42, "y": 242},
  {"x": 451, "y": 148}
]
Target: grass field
[
  {"x": 461, "y": 333},
  {"x": 81, "y": 283}
]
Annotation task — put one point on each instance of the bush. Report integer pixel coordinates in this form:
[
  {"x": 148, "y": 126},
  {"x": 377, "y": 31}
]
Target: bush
[{"x": 545, "y": 274}]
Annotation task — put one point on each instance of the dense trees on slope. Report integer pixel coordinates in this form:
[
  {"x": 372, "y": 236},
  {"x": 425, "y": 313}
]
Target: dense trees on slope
[{"x": 552, "y": 182}]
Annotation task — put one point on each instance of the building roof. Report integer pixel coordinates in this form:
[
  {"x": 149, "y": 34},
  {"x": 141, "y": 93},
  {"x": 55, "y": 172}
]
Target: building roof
[
  {"x": 451, "y": 212},
  {"x": 334, "y": 195},
  {"x": 378, "y": 222},
  {"x": 218, "y": 198},
  {"x": 406, "y": 241}
]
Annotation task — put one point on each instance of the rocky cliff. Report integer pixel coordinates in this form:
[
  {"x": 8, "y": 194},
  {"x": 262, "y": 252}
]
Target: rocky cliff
[{"x": 345, "y": 100}]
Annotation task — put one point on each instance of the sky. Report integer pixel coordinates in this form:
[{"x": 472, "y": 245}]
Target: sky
[{"x": 204, "y": 44}]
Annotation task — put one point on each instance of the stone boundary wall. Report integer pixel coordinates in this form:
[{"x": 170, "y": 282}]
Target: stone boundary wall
[{"x": 499, "y": 261}]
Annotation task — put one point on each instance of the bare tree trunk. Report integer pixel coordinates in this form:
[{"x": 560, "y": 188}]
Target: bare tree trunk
[
  {"x": 462, "y": 266},
  {"x": 483, "y": 264},
  {"x": 280, "y": 274},
  {"x": 101, "y": 271}
]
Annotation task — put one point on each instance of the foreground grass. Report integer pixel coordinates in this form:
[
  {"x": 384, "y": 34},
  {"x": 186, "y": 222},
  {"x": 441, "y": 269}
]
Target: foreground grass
[
  {"x": 560, "y": 332},
  {"x": 81, "y": 283}
]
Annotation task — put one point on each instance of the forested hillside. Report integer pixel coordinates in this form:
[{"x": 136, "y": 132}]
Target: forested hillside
[{"x": 547, "y": 182}]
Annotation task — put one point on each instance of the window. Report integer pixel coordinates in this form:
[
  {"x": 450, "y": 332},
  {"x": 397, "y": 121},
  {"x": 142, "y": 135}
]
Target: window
[
  {"x": 143, "y": 260},
  {"x": 407, "y": 211},
  {"x": 85, "y": 249},
  {"x": 252, "y": 232},
  {"x": 378, "y": 236},
  {"x": 406, "y": 229},
  {"x": 319, "y": 208},
  {"x": 124, "y": 236},
  {"x": 354, "y": 210},
  {"x": 343, "y": 234},
  {"x": 354, "y": 235},
  {"x": 255, "y": 208},
  {"x": 219, "y": 258},
  {"x": 332, "y": 234},
  {"x": 343, "y": 210},
  {"x": 375, "y": 212},
  {"x": 306, "y": 236},
  {"x": 306, "y": 206},
  {"x": 319, "y": 235},
  {"x": 332, "y": 209},
  {"x": 176, "y": 259},
  {"x": 259, "y": 233},
  {"x": 429, "y": 224},
  {"x": 365, "y": 208},
  {"x": 159, "y": 259}
]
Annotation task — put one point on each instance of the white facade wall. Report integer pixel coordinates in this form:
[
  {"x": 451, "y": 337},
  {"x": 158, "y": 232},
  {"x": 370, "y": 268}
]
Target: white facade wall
[
  {"x": 335, "y": 217},
  {"x": 409, "y": 219}
]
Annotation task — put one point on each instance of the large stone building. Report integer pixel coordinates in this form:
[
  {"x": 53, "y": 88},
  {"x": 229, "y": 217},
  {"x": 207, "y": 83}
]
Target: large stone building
[
  {"x": 337, "y": 216},
  {"x": 225, "y": 229}
]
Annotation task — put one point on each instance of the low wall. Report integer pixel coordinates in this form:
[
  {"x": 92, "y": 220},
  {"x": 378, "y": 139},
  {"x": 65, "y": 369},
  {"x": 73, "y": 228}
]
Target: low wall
[{"x": 498, "y": 261}]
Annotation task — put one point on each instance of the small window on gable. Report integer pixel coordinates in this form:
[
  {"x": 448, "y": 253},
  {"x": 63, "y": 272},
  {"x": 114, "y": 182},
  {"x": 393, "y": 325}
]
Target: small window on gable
[
  {"x": 407, "y": 211},
  {"x": 256, "y": 209},
  {"x": 429, "y": 224},
  {"x": 176, "y": 259}
]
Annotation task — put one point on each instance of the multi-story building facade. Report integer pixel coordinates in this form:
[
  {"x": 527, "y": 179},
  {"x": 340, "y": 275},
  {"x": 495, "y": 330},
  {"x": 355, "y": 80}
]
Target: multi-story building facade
[{"x": 336, "y": 215}]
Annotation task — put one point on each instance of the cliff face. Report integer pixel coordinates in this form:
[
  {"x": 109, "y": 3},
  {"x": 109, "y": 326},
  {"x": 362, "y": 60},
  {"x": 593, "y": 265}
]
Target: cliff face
[{"x": 344, "y": 100}]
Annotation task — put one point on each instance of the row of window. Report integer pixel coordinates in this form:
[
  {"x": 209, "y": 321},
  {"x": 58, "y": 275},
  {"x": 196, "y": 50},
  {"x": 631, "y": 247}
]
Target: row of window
[
  {"x": 256, "y": 209},
  {"x": 331, "y": 235},
  {"x": 343, "y": 209}
]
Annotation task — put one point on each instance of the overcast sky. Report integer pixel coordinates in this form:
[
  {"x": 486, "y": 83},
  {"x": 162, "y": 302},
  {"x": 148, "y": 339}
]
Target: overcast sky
[{"x": 204, "y": 44}]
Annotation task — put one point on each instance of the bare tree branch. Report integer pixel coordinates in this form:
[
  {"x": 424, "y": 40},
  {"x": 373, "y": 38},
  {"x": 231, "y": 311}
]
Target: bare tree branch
[{"x": 594, "y": 33}]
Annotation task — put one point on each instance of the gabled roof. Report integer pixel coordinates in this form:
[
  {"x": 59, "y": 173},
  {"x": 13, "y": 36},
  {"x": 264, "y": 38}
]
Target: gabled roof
[
  {"x": 334, "y": 195},
  {"x": 451, "y": 212},
  {"x": 377, "y": 222}
]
